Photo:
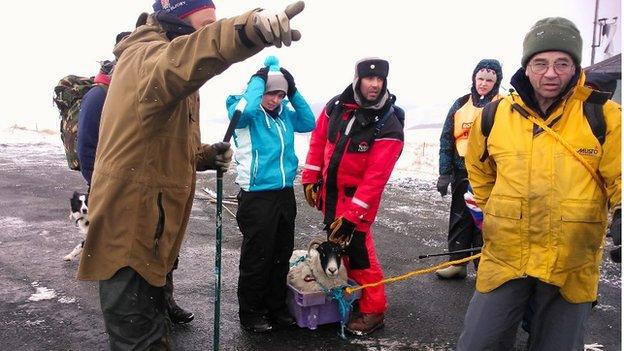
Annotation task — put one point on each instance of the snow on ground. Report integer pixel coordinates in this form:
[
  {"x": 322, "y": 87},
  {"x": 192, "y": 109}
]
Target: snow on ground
[
  {"x": 419, "y": 159},
  {"x": 22, "y": 135},
  {"x": 42, "y": 293}
]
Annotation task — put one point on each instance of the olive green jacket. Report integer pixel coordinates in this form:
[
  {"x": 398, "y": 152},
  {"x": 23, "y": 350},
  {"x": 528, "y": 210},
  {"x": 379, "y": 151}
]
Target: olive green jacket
[{"x": 144, "y": 179}]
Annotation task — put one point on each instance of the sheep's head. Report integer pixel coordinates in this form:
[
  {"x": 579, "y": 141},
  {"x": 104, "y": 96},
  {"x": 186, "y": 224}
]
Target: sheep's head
[{"x": 328, "y": 254}]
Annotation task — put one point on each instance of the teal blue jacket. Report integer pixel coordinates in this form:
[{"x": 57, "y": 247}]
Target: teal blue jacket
[{"x": 265, "y": 146}]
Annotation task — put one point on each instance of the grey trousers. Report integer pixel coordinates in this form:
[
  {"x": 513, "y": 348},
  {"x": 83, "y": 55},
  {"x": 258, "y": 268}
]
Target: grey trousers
[
  {"x": 134, "y": 313},
  {"x": 492, "y": 318}
]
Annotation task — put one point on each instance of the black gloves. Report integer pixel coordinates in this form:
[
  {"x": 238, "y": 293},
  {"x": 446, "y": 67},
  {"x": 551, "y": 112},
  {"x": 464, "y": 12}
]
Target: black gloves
[
  {"x": 443, "y": 182},
  {"x": 262, "y": 73},
  {"x": 341, "y": 231},
  {"x": 615, "y": 230},
  {"x": 291, "y": 82}
]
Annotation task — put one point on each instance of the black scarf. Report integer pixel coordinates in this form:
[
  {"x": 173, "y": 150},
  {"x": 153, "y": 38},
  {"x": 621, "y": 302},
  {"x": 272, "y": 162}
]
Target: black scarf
[{"x": 173, "y": 26}]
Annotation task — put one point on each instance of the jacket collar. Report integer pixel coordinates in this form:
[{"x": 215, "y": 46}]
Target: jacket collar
[
  {"x": 173, "y": 26},
  {"x": 364, "y": 116},
  {"x": 161, "y": 27}
]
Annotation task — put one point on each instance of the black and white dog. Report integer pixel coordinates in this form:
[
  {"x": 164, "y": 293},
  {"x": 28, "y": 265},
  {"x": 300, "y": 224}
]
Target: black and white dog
[{"x": 80, "y": 215}]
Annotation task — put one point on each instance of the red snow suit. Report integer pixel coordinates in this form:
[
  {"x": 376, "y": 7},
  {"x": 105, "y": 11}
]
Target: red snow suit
[{"x": 353, "y": 152}]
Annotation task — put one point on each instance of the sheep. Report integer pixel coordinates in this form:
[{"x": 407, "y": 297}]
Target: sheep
[{"x": 321, "y": 269}]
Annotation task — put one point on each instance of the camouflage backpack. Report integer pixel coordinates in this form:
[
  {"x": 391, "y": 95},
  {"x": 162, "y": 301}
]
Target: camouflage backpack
[{"x": 68, "y": 97}]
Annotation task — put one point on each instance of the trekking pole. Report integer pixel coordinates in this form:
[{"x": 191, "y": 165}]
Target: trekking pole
[
  {"x": 450, "y": 252},
  {"x": 217, "y": 271}
]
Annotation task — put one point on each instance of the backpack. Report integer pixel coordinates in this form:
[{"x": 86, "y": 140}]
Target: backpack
[
  {"x": 592, "y": 110},
  {"x": 68, "y": 96}
]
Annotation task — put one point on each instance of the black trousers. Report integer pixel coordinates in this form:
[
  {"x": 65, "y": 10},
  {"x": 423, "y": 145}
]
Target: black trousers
[
  {"x": 267, "y": 221},
  {"x": 463, "y": 233},
  {"x": 134, "y": 312}
]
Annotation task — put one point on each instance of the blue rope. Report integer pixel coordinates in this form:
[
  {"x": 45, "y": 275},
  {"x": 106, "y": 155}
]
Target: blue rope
[
  {"x": 299, "y": 260},
  {"x": 344, "y": 305}
]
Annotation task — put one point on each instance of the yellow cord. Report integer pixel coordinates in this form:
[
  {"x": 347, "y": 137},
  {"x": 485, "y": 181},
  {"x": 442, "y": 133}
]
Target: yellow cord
[
  {"x": 350, "y": 290},
  {"x": 565, "y": 144}
]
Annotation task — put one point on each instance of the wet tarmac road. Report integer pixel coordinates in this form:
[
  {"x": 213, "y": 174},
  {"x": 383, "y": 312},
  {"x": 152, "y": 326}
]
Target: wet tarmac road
[{"x": 43, "y": 307}]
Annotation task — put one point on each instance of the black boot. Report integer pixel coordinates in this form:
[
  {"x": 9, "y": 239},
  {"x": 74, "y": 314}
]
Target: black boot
[{"x": 177, "y": 314}]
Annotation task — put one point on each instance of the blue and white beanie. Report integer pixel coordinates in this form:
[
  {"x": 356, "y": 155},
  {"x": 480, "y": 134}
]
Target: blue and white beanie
[
  {"x": 181, "y": 8},
  {"x": 275, "y": 78}
]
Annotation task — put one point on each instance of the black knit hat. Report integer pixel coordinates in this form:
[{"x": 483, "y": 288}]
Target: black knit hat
[
  {"x": 372, "y": 66},
  {"x": 553, "y": 34}
]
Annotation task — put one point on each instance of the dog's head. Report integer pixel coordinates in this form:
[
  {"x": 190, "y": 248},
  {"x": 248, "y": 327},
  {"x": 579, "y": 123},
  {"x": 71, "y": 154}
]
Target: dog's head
[
  {"x": 79, "y": 205},
  {"x": 329, "y": 255}
]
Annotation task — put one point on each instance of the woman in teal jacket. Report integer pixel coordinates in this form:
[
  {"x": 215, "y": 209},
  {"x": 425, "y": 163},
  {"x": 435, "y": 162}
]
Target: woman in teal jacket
[{"x": 266, "y": 168}]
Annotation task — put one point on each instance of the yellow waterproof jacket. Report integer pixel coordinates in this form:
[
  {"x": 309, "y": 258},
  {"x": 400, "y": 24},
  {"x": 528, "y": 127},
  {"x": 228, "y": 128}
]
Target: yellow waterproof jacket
[
  {"x": 144, "y": 178},
  {"x": 544, "y": 214}
]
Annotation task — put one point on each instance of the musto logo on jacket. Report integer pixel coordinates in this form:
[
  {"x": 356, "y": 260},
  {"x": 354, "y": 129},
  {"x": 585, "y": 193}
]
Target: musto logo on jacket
[
  {"x": 588, "y": 151},
  {"x": 363, "y": 147}
]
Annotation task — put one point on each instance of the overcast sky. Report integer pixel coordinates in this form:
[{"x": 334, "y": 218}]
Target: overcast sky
[{"x": 432, "y": 47}]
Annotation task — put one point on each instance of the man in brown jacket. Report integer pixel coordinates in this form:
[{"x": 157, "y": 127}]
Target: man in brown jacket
[{"x": 149, "y": 150}]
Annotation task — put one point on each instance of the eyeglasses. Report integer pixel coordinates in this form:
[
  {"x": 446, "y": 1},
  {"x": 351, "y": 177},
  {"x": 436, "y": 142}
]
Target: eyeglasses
[{"x": 542, "y": 67}]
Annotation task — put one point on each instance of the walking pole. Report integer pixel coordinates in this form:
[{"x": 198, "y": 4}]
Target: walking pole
[
  {"x": 450, "y": 252},
  {"x": 217, "y": 271}
]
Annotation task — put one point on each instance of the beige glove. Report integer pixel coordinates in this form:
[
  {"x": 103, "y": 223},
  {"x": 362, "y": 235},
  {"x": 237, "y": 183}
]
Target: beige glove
[
  {"x": 311, "y": 193},
  {"x": 274, "y": 28},
  {"x": 215, "y": 156}
]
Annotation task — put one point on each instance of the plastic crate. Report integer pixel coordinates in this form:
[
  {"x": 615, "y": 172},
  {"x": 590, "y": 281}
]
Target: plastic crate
[{"x": 314, "y": 309}]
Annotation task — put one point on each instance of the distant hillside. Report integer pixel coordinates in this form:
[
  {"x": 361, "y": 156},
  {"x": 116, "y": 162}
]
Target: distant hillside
[
  {"x": 416, "y": 116},
  {"x": 426, "y": 126}
]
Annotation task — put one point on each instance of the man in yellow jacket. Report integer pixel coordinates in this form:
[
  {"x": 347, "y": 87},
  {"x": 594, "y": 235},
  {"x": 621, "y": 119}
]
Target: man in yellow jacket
[
  {"x": 149, "y": 150},
  {"x": 545, "y": 203}
]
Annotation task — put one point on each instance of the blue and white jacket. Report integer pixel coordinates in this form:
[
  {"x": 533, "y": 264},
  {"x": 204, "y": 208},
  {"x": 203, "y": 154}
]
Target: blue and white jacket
[{"x": 265, "y": 146}]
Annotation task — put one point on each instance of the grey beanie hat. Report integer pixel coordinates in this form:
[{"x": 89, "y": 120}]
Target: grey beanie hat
[
  {"x": 552, "y": 34},
  {"x": 275, "y": 78}
]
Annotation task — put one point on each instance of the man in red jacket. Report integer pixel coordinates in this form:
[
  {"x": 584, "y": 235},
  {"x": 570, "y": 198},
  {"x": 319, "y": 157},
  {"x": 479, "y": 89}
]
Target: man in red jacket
[{"x": 356, "y": 143}]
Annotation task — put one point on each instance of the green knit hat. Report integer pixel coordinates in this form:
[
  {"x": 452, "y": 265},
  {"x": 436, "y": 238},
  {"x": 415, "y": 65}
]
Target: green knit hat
[{"x": 552, "y": 34}]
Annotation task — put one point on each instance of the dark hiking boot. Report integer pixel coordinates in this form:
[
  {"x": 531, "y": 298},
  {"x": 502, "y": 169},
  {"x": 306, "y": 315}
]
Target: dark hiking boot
[
  {"x": 177, "y": 314},
  {"x": 256, "y": 324},
  {"x": 452, "y": 272},
  {"x": 365, "y": 323},
  {"x": 282, "y": 319}
]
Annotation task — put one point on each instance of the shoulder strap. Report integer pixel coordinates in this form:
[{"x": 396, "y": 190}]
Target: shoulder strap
[
  {"x": 380, "y": 123},
  {"x": 487, "y": 121},
  {"x": 487, "y": 117},
  {"x": 592, "y": 109},
  {"x": 334, "y": 107}
]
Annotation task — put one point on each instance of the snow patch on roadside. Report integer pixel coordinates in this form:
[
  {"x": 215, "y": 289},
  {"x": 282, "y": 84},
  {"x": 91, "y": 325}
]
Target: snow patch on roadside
[
  {"x": 606, "y": 308},
  {"x": 34, "y": 323},
  {"x": 393, "y": 345},
  {"x": 67, "y": 299},
  {"x": 42, "y": 293}
]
